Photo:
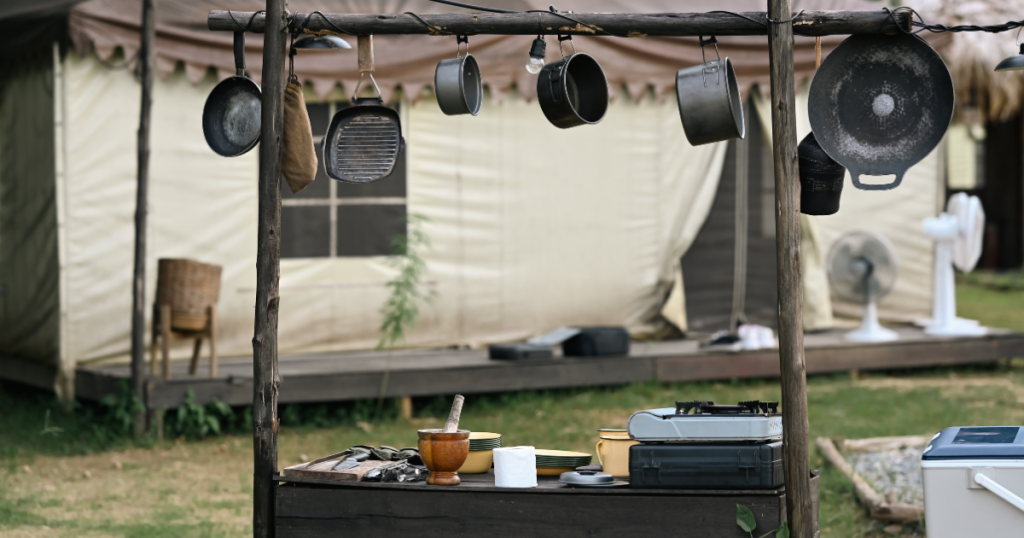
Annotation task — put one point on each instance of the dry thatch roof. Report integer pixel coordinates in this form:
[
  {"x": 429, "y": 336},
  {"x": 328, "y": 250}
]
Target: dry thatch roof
[{"x": 973, "y": 56}]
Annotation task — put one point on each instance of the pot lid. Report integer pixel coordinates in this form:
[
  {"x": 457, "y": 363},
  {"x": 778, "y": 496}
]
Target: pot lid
[
  {"x": 978, "y": 442},
  {"x": 586, "y": 478}
]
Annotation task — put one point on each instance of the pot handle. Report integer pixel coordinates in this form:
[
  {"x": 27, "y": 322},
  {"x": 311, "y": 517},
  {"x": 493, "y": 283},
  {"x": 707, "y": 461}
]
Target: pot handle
[
  {"x": 240, "y": 53},
  {"x": 598, "y": 450},
  {"x": 855, "y": 176},
  {"x": 555, "y": 80},
  {"x": 1000, "y": 490}
]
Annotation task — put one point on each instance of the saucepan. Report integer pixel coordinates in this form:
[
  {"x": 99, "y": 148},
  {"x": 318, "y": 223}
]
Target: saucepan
[
  {"x": 709, "y": 100},
  {"x": 457, "y": 83},
  {"x": 231, "y": 116},
  {"x": 573, "y": 91}
]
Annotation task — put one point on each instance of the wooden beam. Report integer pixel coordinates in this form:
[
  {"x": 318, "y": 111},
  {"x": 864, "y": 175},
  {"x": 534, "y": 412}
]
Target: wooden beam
[
  {"x": 147, "y": 60},
  {"x": 810, "y": 23},
  {"x": 268, "y": 272},
  {"x": 792, "y": 366}
]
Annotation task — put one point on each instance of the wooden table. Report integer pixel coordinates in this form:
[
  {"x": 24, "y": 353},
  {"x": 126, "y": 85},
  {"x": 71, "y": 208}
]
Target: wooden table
[{"x": 313, "y": 508}]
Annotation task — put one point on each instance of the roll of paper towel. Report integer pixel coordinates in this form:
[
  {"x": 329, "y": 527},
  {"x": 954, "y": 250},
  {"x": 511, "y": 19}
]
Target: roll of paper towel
[{"x": 515, "y": 467}]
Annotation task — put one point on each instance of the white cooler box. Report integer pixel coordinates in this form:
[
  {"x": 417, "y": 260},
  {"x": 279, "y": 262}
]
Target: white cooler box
[{"x": 974, "y": 482}]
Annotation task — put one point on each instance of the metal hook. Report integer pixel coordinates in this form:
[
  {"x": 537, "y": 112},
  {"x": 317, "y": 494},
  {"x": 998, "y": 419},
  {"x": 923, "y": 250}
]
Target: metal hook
[
  {"x": 459, "y": 40},
  {"x": 708, "y": 66},
  {"x": 1017, "y": 39},
  {"x": 355, "y": 94},
  {"x": 565, "y": 38}
]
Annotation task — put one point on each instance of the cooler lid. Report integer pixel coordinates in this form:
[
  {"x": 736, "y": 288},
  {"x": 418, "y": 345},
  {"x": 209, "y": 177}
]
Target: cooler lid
[{"x": 977, "y": 442}]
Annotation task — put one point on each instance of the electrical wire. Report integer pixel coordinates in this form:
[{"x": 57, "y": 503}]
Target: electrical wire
[
  {"x": 335, "y": 27},
  {"x": 248, "y": 25},
  {"x": 551, "y": 11},
  {"x": 939, "y": 28},
  {"x": 478, "y": 8}
]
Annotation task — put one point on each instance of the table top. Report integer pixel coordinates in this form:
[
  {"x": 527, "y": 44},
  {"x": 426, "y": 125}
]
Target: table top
[{"x": 484, "y": 483}]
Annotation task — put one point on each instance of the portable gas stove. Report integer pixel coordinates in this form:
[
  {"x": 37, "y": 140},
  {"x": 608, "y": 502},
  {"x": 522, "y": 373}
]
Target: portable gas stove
[{"x": 704, "y": 422}]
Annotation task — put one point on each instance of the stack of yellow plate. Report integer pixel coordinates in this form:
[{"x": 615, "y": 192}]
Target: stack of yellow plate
[
  {"x": 556, "y": 462},
  {"x": 481, "y": 452}
]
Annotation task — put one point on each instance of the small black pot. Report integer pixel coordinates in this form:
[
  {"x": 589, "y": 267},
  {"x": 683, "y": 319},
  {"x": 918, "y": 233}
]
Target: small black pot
[
  {"x": 821, "y": 179},
  {"x": 573, "y": 91}
]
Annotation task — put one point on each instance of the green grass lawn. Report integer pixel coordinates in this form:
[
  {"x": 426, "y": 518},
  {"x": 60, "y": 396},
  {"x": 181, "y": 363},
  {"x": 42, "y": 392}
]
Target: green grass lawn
[{"x": 86, "y": 481}]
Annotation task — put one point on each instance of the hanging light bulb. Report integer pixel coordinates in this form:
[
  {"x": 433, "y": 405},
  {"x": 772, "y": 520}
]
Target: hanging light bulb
[
  {"x": 1013, "y": 63},
  {"x": 536, "y": 61}
]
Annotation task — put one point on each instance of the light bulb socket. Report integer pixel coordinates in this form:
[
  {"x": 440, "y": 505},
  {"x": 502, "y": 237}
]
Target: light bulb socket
[
  {"x": 538, "y": 49},
  {"x": 1013, "y": 63}
]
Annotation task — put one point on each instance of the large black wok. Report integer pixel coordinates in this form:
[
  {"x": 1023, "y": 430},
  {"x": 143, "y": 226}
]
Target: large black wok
[{"x": 879, "y": 104}]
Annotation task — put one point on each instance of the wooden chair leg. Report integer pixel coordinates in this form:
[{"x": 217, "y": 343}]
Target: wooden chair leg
[
  {"x": 194, "y": 365},
  {"x": 154, "y": 338},
  {"x": 165, "y": 338},
  {"x": 212, "y": 313}
]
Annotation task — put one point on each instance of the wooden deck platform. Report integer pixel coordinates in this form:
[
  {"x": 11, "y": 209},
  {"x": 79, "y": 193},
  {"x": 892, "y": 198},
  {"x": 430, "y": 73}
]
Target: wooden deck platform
[{"x": 426, "y": 372}]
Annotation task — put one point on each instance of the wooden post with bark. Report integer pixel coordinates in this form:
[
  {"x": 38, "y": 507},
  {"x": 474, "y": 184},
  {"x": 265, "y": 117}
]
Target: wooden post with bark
[
  {"x": 147, "y": 61},
  {"x": 268, "y": 272},
  {"x": 793, "y": 369}
]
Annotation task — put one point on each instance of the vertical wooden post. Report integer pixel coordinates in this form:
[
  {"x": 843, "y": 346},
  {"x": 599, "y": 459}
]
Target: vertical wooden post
[
  {"x": 268, "y": 272},
  {"x": 796, "y": 450},
  {"x": 147, "y": 60}
]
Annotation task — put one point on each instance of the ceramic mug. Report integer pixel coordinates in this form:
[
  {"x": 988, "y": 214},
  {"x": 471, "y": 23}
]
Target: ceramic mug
[{"x": 613, "y": 453}]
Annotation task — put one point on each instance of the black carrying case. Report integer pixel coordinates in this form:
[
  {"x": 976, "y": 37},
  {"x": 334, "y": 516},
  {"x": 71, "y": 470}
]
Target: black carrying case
[
  {"x": 718, "y": 466},
  {"x": 597, "y": 342},
  {"x": 515, "y": 352}
]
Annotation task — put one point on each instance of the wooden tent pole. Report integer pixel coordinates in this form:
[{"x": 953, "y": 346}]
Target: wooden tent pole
[
  {"x": 147, "y": 60},
  {"x": 268, "y": 272},
  {"x": 796, "y": 451}
]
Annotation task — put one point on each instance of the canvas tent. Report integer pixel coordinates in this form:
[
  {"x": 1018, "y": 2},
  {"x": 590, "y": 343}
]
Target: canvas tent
[{"x": 531, "y": 227}]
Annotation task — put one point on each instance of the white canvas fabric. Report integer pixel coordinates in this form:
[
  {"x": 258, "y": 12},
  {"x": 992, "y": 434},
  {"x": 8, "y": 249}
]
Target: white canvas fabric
[{"x": 532, "y": 227}]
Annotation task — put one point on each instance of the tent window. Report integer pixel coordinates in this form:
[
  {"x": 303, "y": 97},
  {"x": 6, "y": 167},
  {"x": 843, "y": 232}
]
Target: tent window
[{"x": 331, "y": 219}]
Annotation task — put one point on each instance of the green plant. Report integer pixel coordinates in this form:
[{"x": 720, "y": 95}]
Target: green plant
[
  {"x": 745, "y": 519},
  {"x": 195, "y": 421},
  {"x": 402, "y": 307},
  {"x": 120, "y": 408}
]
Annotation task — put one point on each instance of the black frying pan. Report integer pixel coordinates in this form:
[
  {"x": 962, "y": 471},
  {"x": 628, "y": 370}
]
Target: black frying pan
[
  {"x": 879, "y": 104},
  {"x": 231, "y": 117}
]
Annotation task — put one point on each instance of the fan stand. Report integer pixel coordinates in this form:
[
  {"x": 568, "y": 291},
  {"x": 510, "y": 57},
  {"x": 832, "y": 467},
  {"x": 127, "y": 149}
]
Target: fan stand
[
  {"x": 870, "y": 329},
  {"x": 944, "y": 321}
]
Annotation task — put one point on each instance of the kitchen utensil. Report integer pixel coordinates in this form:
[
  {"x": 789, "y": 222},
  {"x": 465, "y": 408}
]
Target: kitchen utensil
[
  {"x": 706, "y": 466},
  {"x": 590, "y": 479},
  {"x": 709, "y": 100},
  {"x": 879, "y": 104},
  {"x": 701, "y": 421},
  {"x": 821, "y": 179},
  {"x": 452, "y": 423},
  {"x": 232, "y": 114},
  {"x": 478, "y": 461},
  {"x": 612, "y": 431},
  {"x": 613, "y": 453},
  {"x": 364, "y": 140},
  {"x": 443, "y": 453},
  {"x": 457, "y": 83},
  {"x": 484, "y": 441},
  {"x": 351, "y": 461},
  {"x": 573, "y": 91},
  {"x": 554, "y": 471}
]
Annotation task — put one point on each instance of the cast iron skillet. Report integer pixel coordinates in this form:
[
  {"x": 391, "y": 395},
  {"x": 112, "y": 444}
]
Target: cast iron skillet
[
  {"x": 880, "y": 104},
  {"x": 364, "y": 140},
  {"x": 231, "y": 117}
]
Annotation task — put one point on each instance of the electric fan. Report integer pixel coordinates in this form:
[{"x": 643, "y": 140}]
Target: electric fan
[
  {"x": 958, "y": 237},
  {"x": 862, "y": 269}
]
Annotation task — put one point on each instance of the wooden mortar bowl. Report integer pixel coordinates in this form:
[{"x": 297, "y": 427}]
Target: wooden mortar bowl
[{"x": 443, "y": 454}]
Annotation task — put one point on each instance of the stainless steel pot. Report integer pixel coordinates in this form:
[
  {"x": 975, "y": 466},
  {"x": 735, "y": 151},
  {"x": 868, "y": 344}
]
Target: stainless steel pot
[
  {"x": 573, "y": 91},
  {"x": 709, "y": 102},
  {"x": 458, "y": 86}
]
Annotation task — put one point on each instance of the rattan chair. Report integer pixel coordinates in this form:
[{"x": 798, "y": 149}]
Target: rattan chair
[{"x": 186, "y": 308}]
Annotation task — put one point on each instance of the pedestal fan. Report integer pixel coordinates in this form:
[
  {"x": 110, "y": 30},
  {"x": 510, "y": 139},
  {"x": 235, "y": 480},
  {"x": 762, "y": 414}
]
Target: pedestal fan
[
  {"x": 958, "y": 239},
  {"x": 862, "y": 269}
]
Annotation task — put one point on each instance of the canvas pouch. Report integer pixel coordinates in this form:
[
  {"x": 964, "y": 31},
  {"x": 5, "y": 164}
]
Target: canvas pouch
[{"x": 298, "y": 156}]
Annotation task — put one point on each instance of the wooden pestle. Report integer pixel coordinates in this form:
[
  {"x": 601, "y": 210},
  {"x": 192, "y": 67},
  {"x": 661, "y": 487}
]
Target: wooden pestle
[{"x": 453, "y": 418}]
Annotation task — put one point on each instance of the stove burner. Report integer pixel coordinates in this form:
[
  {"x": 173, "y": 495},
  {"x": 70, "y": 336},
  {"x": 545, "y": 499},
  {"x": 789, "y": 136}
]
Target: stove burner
[{"x": 705, "y": 407}]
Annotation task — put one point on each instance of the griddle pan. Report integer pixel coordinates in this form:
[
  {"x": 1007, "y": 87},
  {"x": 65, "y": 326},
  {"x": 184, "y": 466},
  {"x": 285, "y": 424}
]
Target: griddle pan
[
  {"x": 231, "y": 117},
  {"x": 363, "y": 142}
]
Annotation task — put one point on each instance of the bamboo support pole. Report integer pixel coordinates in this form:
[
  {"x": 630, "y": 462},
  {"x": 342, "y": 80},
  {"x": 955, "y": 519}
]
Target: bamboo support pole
[
  {"x": 147, "y": 60},
  {"x": 809, "y": 23},
  {"x": 268, "y": 272},
  {"x": 793, "y": 368}
]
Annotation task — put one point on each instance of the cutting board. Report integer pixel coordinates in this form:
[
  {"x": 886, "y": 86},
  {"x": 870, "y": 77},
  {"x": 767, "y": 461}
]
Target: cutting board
[{"x": 325, "y": 471}]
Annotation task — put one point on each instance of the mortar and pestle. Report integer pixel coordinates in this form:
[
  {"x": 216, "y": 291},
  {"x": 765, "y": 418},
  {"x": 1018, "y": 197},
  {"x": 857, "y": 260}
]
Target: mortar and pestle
[{"x": 444, "y": 451}]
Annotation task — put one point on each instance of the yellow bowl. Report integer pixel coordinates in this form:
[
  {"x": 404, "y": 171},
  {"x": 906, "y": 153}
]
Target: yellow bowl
[
  {"x": 483, "y": 435},
  {"x": 477, "y": 462},
  {"x": 553, "y": 471}
]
